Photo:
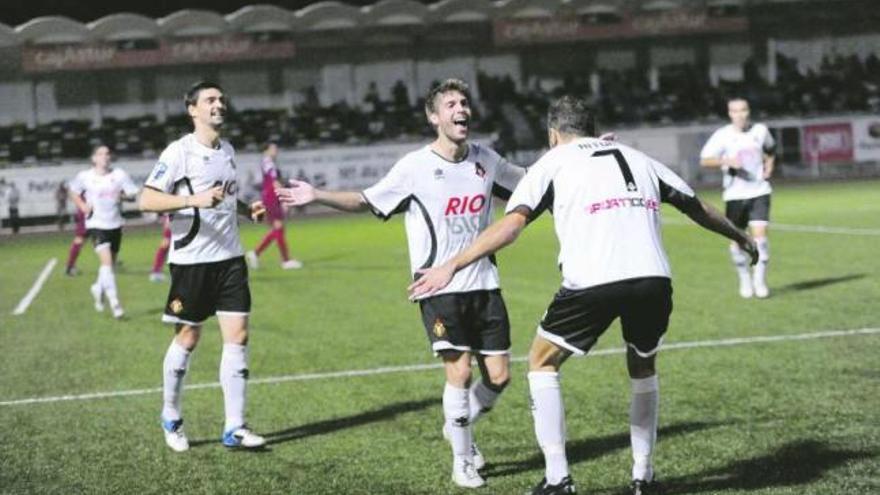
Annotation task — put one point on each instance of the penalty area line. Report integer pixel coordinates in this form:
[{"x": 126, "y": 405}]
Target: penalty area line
[
  {"x": 35, "y": 289},
  {"x": 421, "y": 367}
]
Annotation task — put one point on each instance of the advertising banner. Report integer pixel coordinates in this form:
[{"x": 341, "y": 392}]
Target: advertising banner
[
  {"x": 343, "y": 168},
  {"x": 567, "y": 28},
  {"x": 866, "y": 134},
  {"x": 198, "y": 50},
  {"x": 824, "y": 143}
]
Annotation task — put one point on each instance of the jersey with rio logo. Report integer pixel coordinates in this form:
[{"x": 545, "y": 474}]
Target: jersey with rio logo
[
  {"x": 447, "y": 204},
  {"x": 199, "y": 235}
]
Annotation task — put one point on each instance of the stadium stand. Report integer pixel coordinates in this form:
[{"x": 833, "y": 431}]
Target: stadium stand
[{"x": 345, "y": 97}]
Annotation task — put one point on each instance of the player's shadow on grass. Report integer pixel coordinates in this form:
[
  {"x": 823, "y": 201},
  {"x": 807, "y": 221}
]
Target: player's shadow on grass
[
  {"x": 794, "y": 463},
  {"x": 591, "y": 448},
  {"x": 387, "y": 413},
  {"x": 818, "y": 283}
]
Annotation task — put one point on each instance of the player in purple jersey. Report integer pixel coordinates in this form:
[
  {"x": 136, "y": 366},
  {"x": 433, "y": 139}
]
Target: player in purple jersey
[
  {"x": 79, "y": 238},
  {"x": 274, "y": 212}
]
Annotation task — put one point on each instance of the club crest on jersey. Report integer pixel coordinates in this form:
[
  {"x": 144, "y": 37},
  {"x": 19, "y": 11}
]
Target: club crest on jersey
[
  {"x": 439, "y": 328},
  {"x": 479, "y": 170},
  {"x": 206, "y": 158},
  {"x": 176, "y": 306},
  {"x": 438, "y": 174},
  {"x": 161, "y": 168}
]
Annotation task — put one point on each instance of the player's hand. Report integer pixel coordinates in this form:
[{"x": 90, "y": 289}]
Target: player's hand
[
  {"x": 298, "y": 194},
  {"x": 208, "y": 198},
  {"x": 608, "y": 136},
  {"x": 731, "y": 162},
  {"x": 430, "y": 281},
  {"x": 258, "y": 211},
  {"x": 751, "y": 247}
]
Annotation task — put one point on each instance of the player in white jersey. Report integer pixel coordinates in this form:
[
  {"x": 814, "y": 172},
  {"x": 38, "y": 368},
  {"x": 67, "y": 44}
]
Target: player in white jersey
[
  {"x": 195, "y": 180},
  {"x": 605, "y": 198},
  {"x": 445, "y": 190},
  {"x": 97, "y": 193},
  {"x": 745, "y": 153}
]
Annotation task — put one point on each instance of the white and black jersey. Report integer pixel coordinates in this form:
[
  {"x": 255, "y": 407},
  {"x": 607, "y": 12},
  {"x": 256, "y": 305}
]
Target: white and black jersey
[
  {"x": 605, "y": 198},
  {"x": 200, "y": 235},
  {"x": 447, "y": 204},
  {"x": 103, "y": 192},
  {"x": 748, "y": 147}
]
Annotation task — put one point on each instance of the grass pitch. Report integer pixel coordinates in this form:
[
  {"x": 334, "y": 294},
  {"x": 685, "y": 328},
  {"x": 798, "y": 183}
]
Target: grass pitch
[{"x": 793, "y": 416}]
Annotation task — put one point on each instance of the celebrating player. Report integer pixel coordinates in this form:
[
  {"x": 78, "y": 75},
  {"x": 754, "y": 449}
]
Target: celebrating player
[
  {"x": 97, "y": 193},
  {"x": 274, "y": 212},
  {"x": 745, "y": 153},
  {"x": 195, "y": 178},
  {"x": 445, "y": 189},
  {"x": 605, "y": 198}
]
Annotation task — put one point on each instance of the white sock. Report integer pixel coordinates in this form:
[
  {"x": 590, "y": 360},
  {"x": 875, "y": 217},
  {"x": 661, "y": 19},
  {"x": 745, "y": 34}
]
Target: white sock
[
  {"x": 455, "y": 410},
  {"x": 549, "y": 415},
  {"x": 481, "y": 400},
  {"x": 107, "y": 281},
  {"x": 740, "y": 262},
  {"x": 760, "y": 269},
  {"x": 643, "y": 425},
  {"x": 233, "y": 380},
  {"x": 173, "y": 372}
]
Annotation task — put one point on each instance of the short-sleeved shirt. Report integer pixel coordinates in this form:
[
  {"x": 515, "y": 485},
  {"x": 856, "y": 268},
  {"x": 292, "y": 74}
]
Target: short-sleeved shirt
[
  {"x": 447, "y": 204},
  {"x": 605, "y": 198},
  {"x": 748, "y": 147},
  {"x": 200, "y": 235},
  {"x": 103, "y": 192}
]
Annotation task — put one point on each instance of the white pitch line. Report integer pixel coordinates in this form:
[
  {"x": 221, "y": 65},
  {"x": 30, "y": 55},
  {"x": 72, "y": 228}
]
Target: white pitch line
[
  {"x": 29, "y": 297},
  {"x": 422, "y": 367},
  {"x": 811, "y": 229}
]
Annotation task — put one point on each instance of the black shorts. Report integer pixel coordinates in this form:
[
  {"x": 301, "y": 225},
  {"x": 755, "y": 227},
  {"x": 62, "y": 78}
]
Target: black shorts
[
  {"x": 201, "y": 290},
  {"x": 113, "y": 237},
  {"x": 577, "y": 318},
  {"x": 743, "y": 211},
  {"x": 467, "y": 321}
]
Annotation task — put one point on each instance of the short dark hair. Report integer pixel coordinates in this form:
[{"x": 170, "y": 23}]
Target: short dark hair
[
  {"x": 100, "y": 144},
  {"x": 451, "y": 84},
  {"x": 572, "y": 115},
  {"x": 191, "y": 97}
]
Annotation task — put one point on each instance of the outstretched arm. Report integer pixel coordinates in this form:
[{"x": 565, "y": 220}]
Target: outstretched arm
[
  {"x": 500, "y": 234},
  {"x": 302, "y": 193},
  {"x": 706, "y": 216}
]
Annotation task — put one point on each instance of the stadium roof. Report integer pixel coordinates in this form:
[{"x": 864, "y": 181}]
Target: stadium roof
[{"x": 312, "y": 16}]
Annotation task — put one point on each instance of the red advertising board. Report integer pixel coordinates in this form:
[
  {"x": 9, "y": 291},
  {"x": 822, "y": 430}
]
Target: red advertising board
[
  {"x": 825, "y": 143},
  {"x": 208, "y": 49},
  {"x": 567, "y": 28}
]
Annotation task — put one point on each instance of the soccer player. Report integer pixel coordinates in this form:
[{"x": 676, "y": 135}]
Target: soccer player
[
  {"x": 157, "y": 274},
  {"x": 195, "y": 179},
  {"x": 97, "y": 193},
  {"x": 745, "y": 153},
  {"x": 274, "y": 212},
  {"x": 79, "y": 238},
  {"x": 605, "y": 198},
  {"x": 445, "y": 190}
]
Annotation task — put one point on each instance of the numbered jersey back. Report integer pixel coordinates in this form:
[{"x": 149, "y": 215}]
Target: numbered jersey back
[{"x": 605, "y": 198}]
